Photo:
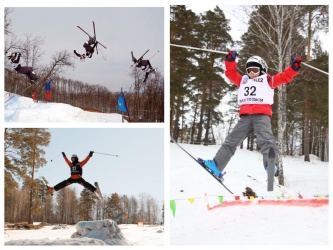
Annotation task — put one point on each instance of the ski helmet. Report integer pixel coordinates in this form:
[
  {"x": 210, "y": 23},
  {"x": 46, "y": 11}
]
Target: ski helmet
[
  {"x": 74, "y": 156},
  {"x": 257, "y": 61}
]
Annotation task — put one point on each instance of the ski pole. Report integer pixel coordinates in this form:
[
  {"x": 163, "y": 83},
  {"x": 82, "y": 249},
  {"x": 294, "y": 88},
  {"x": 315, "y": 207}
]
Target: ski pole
[
  {"x": 55, "y": 157},
  {"x": 105, "y": 154},
  {"x": 154, "y": 55},
  {"x": 209, "y": 50},
  {"x": 314, "y": 68}
]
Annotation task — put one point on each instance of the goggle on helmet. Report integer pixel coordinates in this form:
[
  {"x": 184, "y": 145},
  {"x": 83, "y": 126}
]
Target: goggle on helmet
[{"x": 256, "y": 64}]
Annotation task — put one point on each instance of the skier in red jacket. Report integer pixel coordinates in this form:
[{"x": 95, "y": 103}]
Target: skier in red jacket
[
  {"x": 255, "y": 97},
  {"x": 76, "y": 174}
]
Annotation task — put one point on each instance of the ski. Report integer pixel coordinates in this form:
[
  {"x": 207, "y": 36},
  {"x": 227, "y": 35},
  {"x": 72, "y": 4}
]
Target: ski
[
  {"x": 92, "y": 36},
  {"x": 270, "y": 172},
  {"x": 32, "y": 85},
  {"x": 143, "y": 55},
  {"x": 99, "y": 192},
  {"x": 138, "y": 60},
  {"x": 95, "y": 36},
  {"x": 26, "y": 89},
  {"x": 173, "y": 140},
  {"x": 46, "y": 186},
  {"x": 120, "y": 216}
]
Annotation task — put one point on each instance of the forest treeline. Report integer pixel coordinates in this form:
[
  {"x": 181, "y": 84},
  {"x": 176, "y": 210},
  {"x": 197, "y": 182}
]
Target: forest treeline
[
  {"x": 277, "y": 33},
  {"x": 26, "y": 198},
  {"x": 144, "y": 100}
]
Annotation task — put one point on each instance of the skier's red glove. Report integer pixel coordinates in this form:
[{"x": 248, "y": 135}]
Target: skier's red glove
[
  {"x": 296, "y": 63},
  {"x": 231, "y": 56}
]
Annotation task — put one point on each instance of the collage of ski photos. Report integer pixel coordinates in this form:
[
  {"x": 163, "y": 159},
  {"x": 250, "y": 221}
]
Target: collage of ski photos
[{"x": 166, "y": 125}]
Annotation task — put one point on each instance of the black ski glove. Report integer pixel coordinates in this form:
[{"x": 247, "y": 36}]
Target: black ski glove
[
  {"x": 231, "y": 56},
  {"x": 91, "y": 153},
  {"x": 63, "y": 154}
]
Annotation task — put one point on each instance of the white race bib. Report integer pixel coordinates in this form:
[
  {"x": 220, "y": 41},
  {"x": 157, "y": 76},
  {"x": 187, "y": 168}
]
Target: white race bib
[{"x": 255, "y": 91}]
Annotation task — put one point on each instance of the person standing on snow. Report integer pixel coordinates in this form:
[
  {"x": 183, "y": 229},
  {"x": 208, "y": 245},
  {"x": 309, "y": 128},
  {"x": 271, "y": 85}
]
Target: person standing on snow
[
  {"x": 89, "y": 47},
  {"x": 76, "y": 174},
  {"x": 14, "y": 59},
  {"x": 255, "y": 97},
  {"x": 144, "y": 65}
]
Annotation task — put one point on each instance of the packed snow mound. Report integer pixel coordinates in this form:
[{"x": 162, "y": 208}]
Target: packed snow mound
[
  {"x": 106, "y": 230},
  {"x": 24, "y": 109}
]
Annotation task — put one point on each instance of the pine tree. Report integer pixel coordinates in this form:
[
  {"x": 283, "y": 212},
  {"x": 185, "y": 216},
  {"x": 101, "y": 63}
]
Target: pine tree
[
  {"x": 24, "y": 157},
  {"x": 86, "y": 204}
]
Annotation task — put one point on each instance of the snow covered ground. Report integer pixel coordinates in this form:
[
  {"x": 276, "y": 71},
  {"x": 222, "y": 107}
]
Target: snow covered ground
[
  {"x": 134, "y": 235},
  {"x": 233, "y": 219},
  {"x": 24, "y": 109}
]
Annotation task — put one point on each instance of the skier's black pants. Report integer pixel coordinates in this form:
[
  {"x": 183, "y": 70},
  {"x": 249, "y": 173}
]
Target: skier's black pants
[
  {"x": 27, "y": 71},
  {"x": 70, "y": 181}
]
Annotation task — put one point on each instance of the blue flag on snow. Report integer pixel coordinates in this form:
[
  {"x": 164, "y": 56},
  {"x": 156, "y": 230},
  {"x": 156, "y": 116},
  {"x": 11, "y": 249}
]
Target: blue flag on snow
[
  {"x": 122, "y": 102},
  {"x": 48, "y": 86}
]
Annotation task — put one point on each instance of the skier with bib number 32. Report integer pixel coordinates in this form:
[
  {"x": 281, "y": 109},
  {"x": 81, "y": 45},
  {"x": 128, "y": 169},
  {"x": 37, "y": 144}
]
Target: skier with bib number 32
[
  {"x": 255, "y": 97},
  {"x": 76, "y": 174}
]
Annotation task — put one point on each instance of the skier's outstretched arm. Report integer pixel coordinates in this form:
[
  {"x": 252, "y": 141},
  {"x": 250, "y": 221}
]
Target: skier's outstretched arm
[
  {"x": 66, "y": 159},
  {"x": 288, "y": 74},
  {"x": 82, "y": 163}
]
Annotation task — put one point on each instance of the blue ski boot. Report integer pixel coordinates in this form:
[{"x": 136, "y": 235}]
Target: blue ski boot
[
  {"x": 275, "y": 171},
  {"x": 211, "y": 166}
]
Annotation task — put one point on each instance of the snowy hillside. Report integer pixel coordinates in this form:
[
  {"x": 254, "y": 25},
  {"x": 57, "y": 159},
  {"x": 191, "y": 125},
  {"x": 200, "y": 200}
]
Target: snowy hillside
[
  {"x": 24, "y": 109},
  {"x": 123, "y": 234},
  {"x": 233, "y": 219}
]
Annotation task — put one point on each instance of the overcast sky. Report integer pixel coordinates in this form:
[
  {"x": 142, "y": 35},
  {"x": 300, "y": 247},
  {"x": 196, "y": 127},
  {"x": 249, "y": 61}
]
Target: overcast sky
[
  {"x": 121, "y": 30},
  {"x": 139, "y": 167}
]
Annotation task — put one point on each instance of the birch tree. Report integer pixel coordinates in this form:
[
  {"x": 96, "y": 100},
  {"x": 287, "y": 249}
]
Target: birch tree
[{"x": 274, "y": 26}]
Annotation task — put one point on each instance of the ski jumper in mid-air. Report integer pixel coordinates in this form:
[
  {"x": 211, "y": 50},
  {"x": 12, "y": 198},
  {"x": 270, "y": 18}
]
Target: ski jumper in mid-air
[
  {"x": 14, "y": 59},
  {"x": 144, "y": 65},
  {"x": 89, "y": 46},
  {"x": 76, "y": 174},
  {"x": 255, "y": 98}
]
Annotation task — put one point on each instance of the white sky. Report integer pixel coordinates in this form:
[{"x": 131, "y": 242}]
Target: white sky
[{"x": 121, "y": 30}]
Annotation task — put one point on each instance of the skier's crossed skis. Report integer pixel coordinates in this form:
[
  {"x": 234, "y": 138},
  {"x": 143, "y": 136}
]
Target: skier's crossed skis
[
  {"x": 270, "y": 168},
  {"x": 145, "y": 65},
  {"x": 89, "y": 45}
]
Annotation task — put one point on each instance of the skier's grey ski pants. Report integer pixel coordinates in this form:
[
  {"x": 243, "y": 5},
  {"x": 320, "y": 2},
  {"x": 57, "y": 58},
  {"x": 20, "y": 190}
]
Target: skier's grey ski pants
[{"x": 261, "y": 124}]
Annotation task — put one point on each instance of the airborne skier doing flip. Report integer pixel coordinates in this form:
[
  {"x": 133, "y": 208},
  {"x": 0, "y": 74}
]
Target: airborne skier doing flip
[
  {"x": 89, "y": 45},
  {"x": 14, "y": 58},
  {"x": 144, "y": 65},
  {"x": 76, "y": 174},
  {"x": 255, "y": 97}
]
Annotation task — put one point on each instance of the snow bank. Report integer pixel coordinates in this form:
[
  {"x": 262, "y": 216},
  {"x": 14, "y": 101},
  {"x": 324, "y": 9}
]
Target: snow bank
[
  {"x": 106, "y": 230},
  {"x": 24, "y": 109},
  {"x": 103, "y": 232}
]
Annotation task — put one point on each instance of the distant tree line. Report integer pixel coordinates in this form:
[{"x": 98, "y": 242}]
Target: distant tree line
[
  {"x": 144, "y": 100},
  {"x": 31, "y": 201}
]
